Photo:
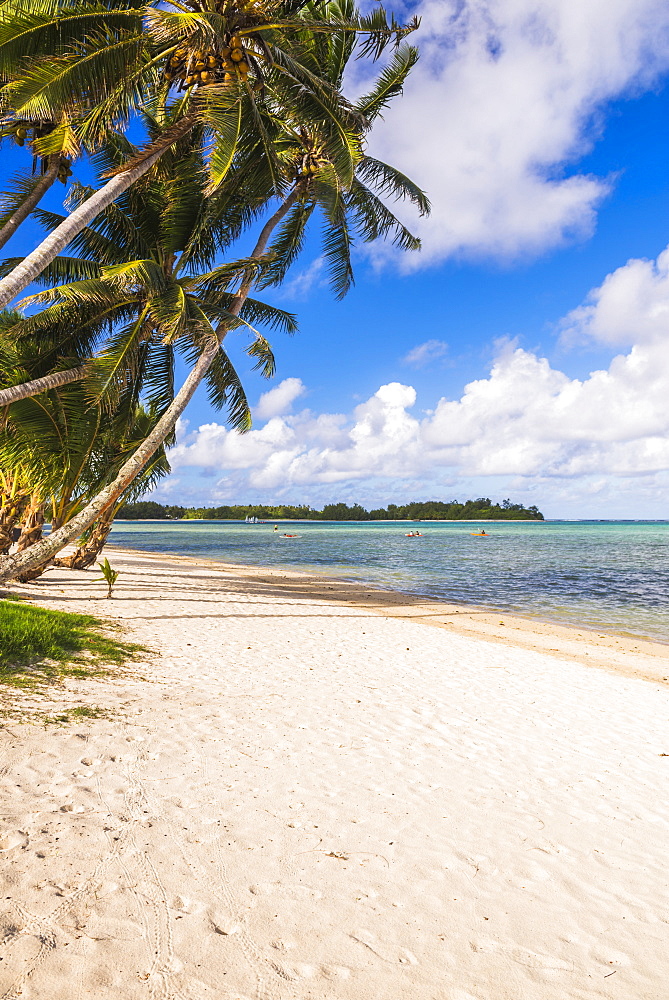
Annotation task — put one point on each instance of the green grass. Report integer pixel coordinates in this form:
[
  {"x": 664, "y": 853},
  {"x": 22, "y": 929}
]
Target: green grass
[
  {"x": 38, "y": 645},
  {"x": 76, "y": 713}
]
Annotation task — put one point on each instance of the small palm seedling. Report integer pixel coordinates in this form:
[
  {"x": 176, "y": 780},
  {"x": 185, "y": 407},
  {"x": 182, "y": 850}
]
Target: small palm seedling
[{"x": 109, "y": 575}]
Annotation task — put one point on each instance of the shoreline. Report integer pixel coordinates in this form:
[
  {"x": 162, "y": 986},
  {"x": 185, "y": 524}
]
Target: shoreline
[{"x": 627, "y": 655}]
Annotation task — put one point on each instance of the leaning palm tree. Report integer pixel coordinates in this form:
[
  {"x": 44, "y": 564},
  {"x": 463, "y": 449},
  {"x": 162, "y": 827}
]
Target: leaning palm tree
[
  {"x": 28, "y": 367},
  {"x": 234, "y": 63},
  {"x": 311, "y": 181},
  {"x": 93, "y": 539},
  {"x": 63, "y": 450},
  {"x": 143, "y": 289}
]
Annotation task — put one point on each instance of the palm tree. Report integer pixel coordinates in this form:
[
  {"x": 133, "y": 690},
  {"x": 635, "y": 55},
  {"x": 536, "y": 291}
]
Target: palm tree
[
  {"x": 115, "y": 451},
  {"x": 143, "y": 288},
  {"x": 14, "y": 495},
  {"x": 63, "y": 450},
  {"x": 17, "y": 205},
  {"x": 210, "y": 50},
  {"x": 311, "y": 181},
  {"x": 23, "y": 362}
]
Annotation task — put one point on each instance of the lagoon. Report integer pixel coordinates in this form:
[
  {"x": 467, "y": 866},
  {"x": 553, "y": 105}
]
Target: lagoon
[{"x": 606, "y": 575}]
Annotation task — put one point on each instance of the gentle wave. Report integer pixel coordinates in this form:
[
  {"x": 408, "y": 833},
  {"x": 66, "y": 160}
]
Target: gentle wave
[{"x": 612, "y": 575}]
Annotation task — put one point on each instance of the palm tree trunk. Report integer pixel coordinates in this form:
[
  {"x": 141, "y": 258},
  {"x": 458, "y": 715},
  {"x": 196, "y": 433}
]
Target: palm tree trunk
[
  {"x": 87, "y": 553},
  {"x": 33, "y": 199},
  {"x": 12, "y": 566},
  {"x": 33, "y": 265},
  {"x": 11, "y": 507},
  {"x": 43, "y": 384},
  {"x": 31, "y": 534}
]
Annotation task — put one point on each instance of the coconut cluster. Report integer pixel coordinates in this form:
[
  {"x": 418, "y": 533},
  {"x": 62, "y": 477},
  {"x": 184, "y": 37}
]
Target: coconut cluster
[
  {"x": 202, "y": 68},
  {"x": 310, "y": 163},
  {"x": 64, "y": 169}
]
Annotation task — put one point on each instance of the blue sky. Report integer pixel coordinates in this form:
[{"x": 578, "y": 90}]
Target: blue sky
[{"x": 539, "y": 131}]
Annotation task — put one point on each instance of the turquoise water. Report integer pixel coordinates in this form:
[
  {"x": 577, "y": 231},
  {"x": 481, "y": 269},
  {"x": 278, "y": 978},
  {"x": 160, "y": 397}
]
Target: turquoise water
[{"x": 611, "y": 575}]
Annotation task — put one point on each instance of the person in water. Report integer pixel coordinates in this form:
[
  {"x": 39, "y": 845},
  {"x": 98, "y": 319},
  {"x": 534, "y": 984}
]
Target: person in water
[{"x": 276, "y": 527}]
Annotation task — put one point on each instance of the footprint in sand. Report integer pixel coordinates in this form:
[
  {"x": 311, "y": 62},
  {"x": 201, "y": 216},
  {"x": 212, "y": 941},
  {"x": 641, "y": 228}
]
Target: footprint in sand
[
  {"x": 9, "y": 839},
  {"x": 366, "y": 938},
  {"x": 543, "y": 965},
  {"x": 335, "y": 972},
  {"x": 290, "y": 891},
  {"x": 225, "y": 926}
]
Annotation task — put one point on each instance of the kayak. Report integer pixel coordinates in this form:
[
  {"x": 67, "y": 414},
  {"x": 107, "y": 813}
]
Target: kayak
[{"x": 479, "y": 534}]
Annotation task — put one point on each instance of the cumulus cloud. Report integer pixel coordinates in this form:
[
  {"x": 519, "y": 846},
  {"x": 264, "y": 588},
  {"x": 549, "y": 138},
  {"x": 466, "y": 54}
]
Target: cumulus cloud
[
  {"x": 525, "y": 419},
  {"x": 425, "y": 354},
  {"x": 631, "y": 306},
  {"x": 504, "y": 98},
  {"x": 279, "y": 399}
]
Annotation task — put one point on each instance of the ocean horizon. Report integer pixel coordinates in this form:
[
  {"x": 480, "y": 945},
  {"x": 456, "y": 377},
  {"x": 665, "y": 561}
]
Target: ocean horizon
[{"x": 607, "y": 575}]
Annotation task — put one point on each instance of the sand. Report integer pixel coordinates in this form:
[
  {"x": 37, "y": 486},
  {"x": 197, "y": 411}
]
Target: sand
[{"x": 309, "y": 791}]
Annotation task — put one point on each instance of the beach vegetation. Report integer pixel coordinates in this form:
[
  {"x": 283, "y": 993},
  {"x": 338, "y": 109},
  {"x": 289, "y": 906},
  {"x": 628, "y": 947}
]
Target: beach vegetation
[
  {"x": 76, "y": 714},
  {"x": 430, "y": 510},
  {"x": 59, "y": 449},
  {"x": 143, "y": 276},
  {"x": 39, "y": 645},
  {"x": 109, "y": 575}
]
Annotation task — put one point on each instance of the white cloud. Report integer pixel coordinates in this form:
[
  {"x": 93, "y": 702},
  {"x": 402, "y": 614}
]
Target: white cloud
[
  {"x": 300, "y": 284},
  {"x": 425, "y": 354},
  {"x": 631, "y": 306},
  {"x": 279, "y": 399},
  {"x": 525, "y": 419},
  {"x": 504, "y": 97}
]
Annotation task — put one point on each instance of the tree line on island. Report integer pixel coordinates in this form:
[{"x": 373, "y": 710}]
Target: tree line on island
[
  {"x": 481, "y": 509},
  {"x": 198, "y": 144}
]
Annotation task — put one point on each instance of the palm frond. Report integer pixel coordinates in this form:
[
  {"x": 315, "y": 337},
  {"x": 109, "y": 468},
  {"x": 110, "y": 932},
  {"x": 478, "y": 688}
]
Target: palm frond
[
  {"x": 389, "y": 83},
  {"x": 261, "y": 350},
  {"x": 225, "y": 128},
  {"x": 225, "y": 389},
  {"x": 287, "y": 245},
  {"x": 55, "y": 83},
  {"x": 271, "y": 317},
  {"x": 389, "y": 181},
  {"x": 62, "y": 270},
  {"x": 373, "y": 220},
  {"x": 169, "y": 312},
  {"x": 118, "y": 364}
]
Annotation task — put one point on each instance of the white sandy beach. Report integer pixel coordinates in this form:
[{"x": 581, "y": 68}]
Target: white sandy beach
[{"x": 309, "y": 791}]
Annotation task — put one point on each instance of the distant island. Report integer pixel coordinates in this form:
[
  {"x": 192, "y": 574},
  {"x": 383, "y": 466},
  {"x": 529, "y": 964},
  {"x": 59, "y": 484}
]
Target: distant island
[{"x": 429, "y": 510}]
